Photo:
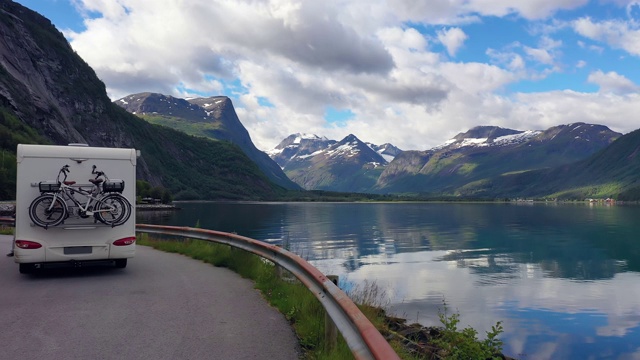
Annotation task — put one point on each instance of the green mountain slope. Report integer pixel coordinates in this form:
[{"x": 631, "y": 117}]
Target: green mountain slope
[
  {"x": 612, "y": 172},
  {"x": 486, "y": 152},
  {"x": 48, "y": 94},
  {"x": 213, "y": 117}
]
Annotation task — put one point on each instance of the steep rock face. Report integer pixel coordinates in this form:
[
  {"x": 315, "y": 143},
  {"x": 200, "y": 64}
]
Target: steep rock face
[
  {"x": 348, "y": 165},
  {"x": 48, "y": 91},
  {"x": 212, "y": 117},
  {"x": 486, "y": 152},
  {"x": 50, "y": 88}
]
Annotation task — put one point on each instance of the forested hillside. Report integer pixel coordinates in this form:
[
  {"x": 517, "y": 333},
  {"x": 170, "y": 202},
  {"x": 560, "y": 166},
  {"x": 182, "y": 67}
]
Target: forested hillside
[{"x": 48, "y": 94}]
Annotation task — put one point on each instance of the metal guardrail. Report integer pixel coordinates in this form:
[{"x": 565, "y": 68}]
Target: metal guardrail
[
  {"x": 9, "y": 221},
  {"x": 364, "y": 340}
]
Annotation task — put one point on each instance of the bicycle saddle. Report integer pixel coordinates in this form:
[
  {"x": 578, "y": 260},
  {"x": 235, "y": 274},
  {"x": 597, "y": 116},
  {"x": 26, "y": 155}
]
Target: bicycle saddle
[
  {"x": 69, "y": 182},
  {"x": 95, "y": 181}
]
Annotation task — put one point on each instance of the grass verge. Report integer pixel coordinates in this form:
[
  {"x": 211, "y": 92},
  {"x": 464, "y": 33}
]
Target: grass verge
[
  {"x": 307, "y": 316},
  {"x": 6, "y": 230}
]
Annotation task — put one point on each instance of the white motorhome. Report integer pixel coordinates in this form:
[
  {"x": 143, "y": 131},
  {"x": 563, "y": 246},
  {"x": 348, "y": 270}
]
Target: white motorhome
[{"x": 79, "y": 238}]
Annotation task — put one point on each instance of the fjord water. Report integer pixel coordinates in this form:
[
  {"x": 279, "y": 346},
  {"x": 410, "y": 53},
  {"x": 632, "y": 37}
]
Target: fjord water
[{"x": 563, "y": 278}]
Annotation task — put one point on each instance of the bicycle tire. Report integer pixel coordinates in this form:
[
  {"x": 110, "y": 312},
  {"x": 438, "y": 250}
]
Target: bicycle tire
[
  {"x": 119, "y": 210},
  {"x": 41, "y": 215},
  {"x": 119, "y": 199}
]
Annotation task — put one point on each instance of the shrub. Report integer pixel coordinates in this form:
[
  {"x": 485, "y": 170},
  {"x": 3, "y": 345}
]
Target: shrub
[{"x": 464, "y": 344}]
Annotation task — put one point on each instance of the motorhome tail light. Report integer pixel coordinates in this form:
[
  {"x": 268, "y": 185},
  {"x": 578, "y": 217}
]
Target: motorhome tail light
[
  {"x": 125, "y": 241},
  {"x": 26, "y": 244}
]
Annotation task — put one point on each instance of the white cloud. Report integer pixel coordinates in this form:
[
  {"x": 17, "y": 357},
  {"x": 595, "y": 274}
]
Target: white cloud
[
  {"x": 539, "y": 55},
  {"x": 543, "y": 110},
  {"x": 546, "y": 51},
  {"x": 619, "y": 34},
  {"x": 613, "y": 82},
  {"x": 465, "y": 11},
  {"x": 357, "y": 55},
  {"x": 452, "y": 39},
  {"x": 406, "y": 39}
]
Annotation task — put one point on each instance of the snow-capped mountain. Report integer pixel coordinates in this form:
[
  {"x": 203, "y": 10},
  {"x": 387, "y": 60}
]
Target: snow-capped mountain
[
  {"x": 302, "y": 146},
  {"x": 318, "y": 163},
  {"x": 486, "y": 152},
  {"x": 387, "y": 151},
  {"x": 298, "y": 146},
  {"x": 486, "y": 136}
]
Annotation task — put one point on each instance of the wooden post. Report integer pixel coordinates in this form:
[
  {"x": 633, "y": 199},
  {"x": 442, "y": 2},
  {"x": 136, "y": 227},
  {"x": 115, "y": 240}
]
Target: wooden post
[{"x": 330, "y": 329}]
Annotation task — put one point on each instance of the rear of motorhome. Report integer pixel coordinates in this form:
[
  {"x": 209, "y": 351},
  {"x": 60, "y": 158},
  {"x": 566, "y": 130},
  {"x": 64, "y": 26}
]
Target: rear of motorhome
[{"x": 81, "y": 236}]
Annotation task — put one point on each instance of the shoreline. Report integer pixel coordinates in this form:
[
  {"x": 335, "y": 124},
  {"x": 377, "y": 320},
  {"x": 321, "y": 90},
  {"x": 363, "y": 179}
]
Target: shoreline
[
  {"x": 9, "y": 208},
  {"x": 156, "y": 207}
]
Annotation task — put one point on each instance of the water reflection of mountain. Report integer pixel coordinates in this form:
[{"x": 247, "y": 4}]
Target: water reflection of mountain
[
  {"x": 568, "y": 241},
  {"x": 573, "y": 242}
]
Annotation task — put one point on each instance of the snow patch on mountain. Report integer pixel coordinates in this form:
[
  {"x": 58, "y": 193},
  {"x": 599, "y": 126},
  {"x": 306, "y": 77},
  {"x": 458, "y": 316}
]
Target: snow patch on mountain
[
  {"x": 349, "y": 149},
  {"x": 275, "y": 151},
  {"x": 308, "y": 155},
  {"x": 505, "y": 140},
  {"x": 516, "y": 138},
  {"x": 388, "y": 158},
  {"x": 300, "y": 137}
]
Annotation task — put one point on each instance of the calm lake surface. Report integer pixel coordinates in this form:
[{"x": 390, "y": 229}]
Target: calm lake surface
[{"x": 563, "y": 278}]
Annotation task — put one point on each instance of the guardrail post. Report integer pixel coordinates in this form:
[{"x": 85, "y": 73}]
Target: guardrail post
[{"x": 330, "y": 329}]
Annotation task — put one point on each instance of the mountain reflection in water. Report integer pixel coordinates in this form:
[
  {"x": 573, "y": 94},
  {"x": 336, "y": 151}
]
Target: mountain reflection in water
[{"x": 564, "y": 278}]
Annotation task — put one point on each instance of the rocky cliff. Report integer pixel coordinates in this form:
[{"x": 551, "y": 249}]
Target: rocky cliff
[
  {"x": 49, "y": 94},
  {"x": 212, "y": 117}
]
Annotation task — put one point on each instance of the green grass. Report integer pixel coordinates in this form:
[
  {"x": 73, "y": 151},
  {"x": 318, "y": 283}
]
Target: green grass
[
  {"x": 189, "y": 127},
  {"x": 307, "y": 315},
  {"x": 6, "y": 230},
  {"x": 291, "y": 298}
]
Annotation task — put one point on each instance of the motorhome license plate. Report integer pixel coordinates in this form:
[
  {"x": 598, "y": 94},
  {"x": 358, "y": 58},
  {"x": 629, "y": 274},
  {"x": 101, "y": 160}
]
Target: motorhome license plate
[{"x": 74, "y": 250}]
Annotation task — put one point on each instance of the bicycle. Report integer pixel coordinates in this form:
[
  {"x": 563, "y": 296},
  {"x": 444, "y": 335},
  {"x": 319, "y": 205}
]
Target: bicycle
[{"x": 104, "y": 203}]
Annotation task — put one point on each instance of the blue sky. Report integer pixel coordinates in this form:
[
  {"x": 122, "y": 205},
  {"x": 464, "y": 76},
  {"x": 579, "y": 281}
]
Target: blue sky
[{"x": 407, "y": 72}]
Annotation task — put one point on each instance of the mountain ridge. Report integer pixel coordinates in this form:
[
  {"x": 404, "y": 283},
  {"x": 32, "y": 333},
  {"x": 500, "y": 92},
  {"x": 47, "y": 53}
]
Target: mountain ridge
[
  {"x": 465, "y": 158},
  {"x": 212, "y": 117},
  {"x": 481, "y": 152}
]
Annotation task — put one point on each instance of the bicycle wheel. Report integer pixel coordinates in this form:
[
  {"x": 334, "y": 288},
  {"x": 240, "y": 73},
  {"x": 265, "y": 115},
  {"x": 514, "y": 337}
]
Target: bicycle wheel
[
  {"x": 113, "y": 209},
  {"x": 47, "y": 210}
]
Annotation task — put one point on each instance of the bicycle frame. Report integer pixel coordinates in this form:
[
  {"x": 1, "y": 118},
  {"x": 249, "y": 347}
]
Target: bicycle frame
[{"x": 67, "y": 191}]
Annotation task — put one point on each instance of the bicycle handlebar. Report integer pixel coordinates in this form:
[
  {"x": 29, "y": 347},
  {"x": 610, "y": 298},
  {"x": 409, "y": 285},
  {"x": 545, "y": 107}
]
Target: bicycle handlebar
[
  {"x": 98, "y": 172},
  {"x": 64, "y": 170}
]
